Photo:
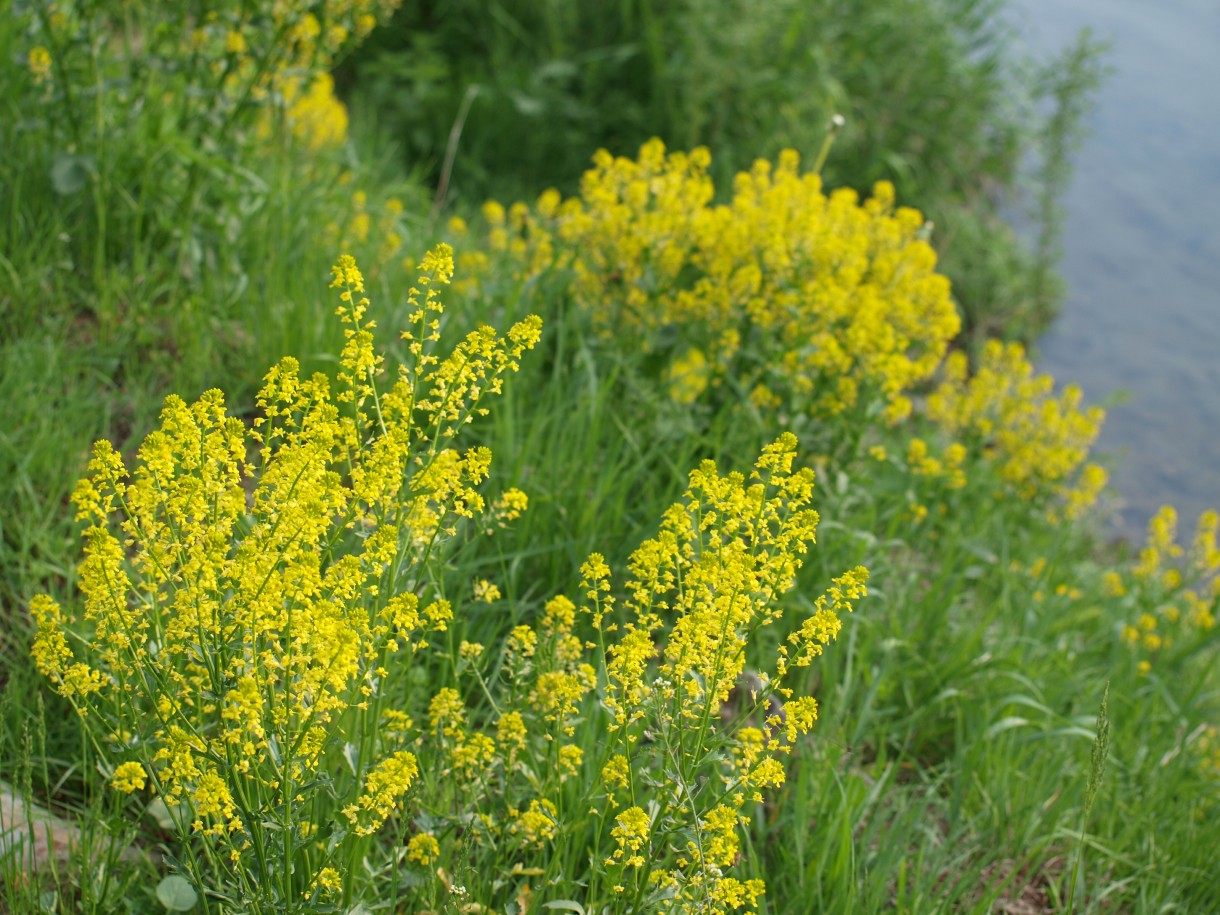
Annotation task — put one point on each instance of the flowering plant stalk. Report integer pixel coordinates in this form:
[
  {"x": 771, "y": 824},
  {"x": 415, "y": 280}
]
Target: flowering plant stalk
[
  {"x": 1171, "y": 594},
  {"x": 246, "y": 592},
  {"x": 267, "y": 645}
]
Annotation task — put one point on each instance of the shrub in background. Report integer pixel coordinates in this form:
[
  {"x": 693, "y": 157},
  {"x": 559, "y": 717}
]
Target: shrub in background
[
  {"x": 817, "y": 312},
  {"x": 937, "y": 102}
]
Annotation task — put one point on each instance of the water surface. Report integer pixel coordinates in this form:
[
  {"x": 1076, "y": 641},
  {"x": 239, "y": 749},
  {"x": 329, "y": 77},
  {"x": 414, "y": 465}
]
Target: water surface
[{"x": 1142, "y": 242}]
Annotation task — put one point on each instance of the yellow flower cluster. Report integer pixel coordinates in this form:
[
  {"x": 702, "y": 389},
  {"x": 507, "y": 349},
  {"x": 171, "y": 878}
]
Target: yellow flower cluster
[
  {"x": 630, "y": 834},
  {"x": 243, "y": 588},
  {"x": 932, "y": 475},
  {"x": 269, "y": 56},
  {"x": 365, "y": 222},
  {"x": 721, "y": 561},
  {"x": 570, "y": 732},
  {"x": 328, "y": 880},
  {"x": 1175, "y": 591},
  {"x": 39, "y": 62},
  {"x": 383, "y": 788},
  {"x": 315, "y": 116},
  {"x": 803, "y": 297},
  {"x": 423, "y": 849},
  {"x": 947, "y": 467},
  {"x": 1161, "y": 548},
  {"x": 128, "y": 777},
  {"x": 283, "y": 52},
  {"x": 1007, "y": 414},
  {"x": 254, "y": 600},
  {"x": 537, "y": 824},
  {"x": 703, "y": 588}
]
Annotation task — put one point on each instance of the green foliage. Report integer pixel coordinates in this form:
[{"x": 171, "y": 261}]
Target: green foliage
[
  {"x": 149, "y": 148},
  {"x": 935, "y": 101}
]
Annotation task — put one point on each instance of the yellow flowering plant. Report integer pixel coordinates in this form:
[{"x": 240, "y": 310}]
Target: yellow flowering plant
[
  {"x": 815, "y": 309},
  {"x": 230, "y": 58},
  {"x": 166, "y": 129},
  {"x": 612, "y": 751},
  {"x": 249, "y": 592},
  {"x": 1008, "y": 415},
  {"x": 800, "y": 300},
  {"x": 268, "y": 646},
  {"x": 1170, "y": 594}
]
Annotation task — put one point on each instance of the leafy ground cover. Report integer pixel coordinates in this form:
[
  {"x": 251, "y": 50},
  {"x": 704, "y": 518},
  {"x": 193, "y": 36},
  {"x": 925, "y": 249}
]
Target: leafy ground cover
[{"x": 651, "y": 545}]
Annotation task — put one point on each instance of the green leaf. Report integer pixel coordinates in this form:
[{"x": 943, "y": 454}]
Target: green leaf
[
  {"x": 568, "y": 905},
  {"x": 1007, "y": 724},
  {"x": 337, "y": 835},
  {"x": 164, "y": 816},
  {"x": 70, "y": 173},
  {"x": 177, "y": 894}
]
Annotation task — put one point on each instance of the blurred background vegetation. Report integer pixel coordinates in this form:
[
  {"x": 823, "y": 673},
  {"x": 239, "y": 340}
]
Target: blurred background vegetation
[{"x": 935, "y": 96}]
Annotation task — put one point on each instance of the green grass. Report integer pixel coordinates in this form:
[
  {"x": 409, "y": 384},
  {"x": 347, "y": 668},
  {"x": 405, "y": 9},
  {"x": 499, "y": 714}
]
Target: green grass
[{"x": 950, "y": 766}]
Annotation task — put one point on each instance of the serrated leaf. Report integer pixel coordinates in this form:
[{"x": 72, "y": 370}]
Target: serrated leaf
[{"x": 177, "y": 894}]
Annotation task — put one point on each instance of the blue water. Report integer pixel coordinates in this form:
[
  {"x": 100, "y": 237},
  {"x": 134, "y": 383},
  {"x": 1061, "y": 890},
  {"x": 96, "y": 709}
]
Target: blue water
[{"x": 1142, "y": 244}]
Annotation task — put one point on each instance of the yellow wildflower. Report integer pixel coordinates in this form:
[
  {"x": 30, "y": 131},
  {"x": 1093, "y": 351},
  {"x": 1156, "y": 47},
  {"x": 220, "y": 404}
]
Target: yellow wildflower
[
  {"x": 39, "y": 62},
  {"x": 423, "y": 849},
  {"x": 630, "y": 834},
  {"x": 616, "y": 772},
  {"x": 128, "y": 777},
  {"x": 570, "y": 758},
  {"x": 383, "y": 787},
  {"x": 838, "y": 298},
  {"x": 328, "y": 880},
  {"x": 486, "y": 592},
  {"x": 537, "y": 824},
  {"x": 1007, "y": 414}
]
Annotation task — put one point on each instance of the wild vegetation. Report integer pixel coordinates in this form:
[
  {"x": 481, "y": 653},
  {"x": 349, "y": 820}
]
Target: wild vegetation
[
  {"x": 935, "y": 97},
  {"x": 679, "y": 539}
]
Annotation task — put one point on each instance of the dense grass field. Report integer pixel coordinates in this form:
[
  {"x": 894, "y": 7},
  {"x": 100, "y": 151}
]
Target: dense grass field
[{"x": 691, "y": 537}]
